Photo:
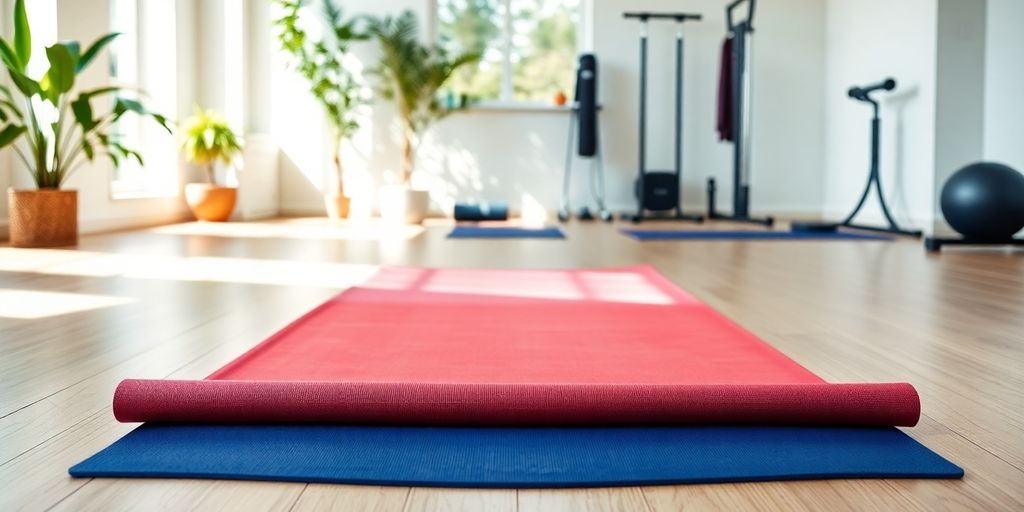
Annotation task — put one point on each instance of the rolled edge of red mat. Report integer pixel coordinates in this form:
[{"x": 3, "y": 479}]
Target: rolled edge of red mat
[{"x": 227, "y": 401}]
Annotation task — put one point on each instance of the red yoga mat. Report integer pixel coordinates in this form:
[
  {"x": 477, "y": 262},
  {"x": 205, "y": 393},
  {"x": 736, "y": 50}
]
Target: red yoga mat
[{"x": 516, "y": 347}]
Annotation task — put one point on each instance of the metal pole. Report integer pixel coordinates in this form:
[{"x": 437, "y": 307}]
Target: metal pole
[
  {"x": 679, "y": 112},
  {"x": 876, "y": 171},
  {"x": 567, "y": 176},
  {"x": 643, "y": 117},
  {"x": 738, "y": 130}
]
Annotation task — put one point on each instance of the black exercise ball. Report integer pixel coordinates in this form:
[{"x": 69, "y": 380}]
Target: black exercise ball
[{"x": 984, "y": 201}]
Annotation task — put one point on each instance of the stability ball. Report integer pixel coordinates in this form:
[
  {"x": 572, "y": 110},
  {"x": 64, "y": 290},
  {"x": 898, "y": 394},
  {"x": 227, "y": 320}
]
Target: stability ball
[{"x": 984, "y": 201}]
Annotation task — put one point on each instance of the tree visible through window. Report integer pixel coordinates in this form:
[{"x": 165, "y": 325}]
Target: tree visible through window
[{"x": 529, "y": 47}]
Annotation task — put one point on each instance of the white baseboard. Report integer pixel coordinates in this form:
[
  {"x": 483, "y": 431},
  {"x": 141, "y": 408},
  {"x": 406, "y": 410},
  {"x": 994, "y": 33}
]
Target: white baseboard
[{"x": 94, "y": 226}]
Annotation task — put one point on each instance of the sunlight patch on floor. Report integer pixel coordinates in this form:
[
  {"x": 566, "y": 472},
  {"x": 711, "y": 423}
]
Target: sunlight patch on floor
[
  {"x": 603, "y": 286},
  {"x": 31, "y": 304},
  {"x": 312, "y": 274},
  {"x": 302, "y": 229}
]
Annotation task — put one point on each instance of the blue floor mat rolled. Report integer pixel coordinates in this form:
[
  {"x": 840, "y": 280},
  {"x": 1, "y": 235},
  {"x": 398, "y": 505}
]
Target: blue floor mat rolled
[
  {"x": 505, "y": 232},
  {"x": 652, "y": 235}
]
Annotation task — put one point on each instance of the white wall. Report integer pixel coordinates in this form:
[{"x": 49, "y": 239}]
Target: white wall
[
  {"x": 85, "y": 20},
  {"x": 1004, "y": 83},
  {"x": 867, "y": 41},
  {"x": 502, "y": 155},
  {"x": 960, "y": 93}
]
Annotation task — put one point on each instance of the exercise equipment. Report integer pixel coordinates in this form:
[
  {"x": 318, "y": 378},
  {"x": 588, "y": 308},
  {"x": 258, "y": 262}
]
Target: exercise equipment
[
  {"x": 863, "y": 94},
  {"x": 984, "y": 202},
  {"x": 505, "y": 232},
  {"x": 461, "y": 375},
  {"x": 478, "y": 212},
  {"x": 661, "y": 191},
  {"x": 585, "y": 134},
  {"x": 739, "y": 35}
]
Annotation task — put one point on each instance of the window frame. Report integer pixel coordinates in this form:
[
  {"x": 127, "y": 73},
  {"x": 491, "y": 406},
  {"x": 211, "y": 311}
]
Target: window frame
[
  {"x": 139, "y": 186},
  {"x": 507, "y": 100}
]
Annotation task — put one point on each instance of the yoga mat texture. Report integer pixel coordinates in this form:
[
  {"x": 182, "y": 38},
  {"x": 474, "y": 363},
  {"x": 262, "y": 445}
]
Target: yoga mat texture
[
  {"x": 505, "y": 232},
  {"x": 238, "y": 401},
  {"x": 515, "y": 378},
  {"x": 698, "y": 235}
]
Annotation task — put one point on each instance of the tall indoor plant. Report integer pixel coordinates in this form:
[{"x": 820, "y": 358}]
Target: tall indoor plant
[
  {"x": 54, "y": 130},
  {"x": 206, "y": 140},
  {"x": 411, "y": 74},
  {"x": 336, "y": 88}
]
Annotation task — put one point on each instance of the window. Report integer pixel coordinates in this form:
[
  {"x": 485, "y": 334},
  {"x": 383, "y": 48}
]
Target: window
[
  {"x": 144, "y": 57},
  {"x": 529, "y": 47}
]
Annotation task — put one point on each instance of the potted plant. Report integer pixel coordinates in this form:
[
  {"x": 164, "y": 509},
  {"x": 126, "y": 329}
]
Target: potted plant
[
  {"x": 411, "y": 75},
  {"x": 54, "y": 130},
  {"x": 337, "y": 89},
  {"x": 206, "y": 140}
]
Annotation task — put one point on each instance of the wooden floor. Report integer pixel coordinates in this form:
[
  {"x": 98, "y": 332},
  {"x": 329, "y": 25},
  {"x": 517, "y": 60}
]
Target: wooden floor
[{"x": 181, "y": 301}]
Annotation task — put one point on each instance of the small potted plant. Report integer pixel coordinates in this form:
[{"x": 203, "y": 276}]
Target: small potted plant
[
  {"x": 207, "y": 140},
  {"x": 411, "y": 75},
  {"x": 336, "y": 88},
  {"x": 54, "y": 130}
]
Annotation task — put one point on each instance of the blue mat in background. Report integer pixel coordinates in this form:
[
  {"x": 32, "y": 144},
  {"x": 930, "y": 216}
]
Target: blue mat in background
[
  {"x": 647, "y": 235},
  {"x": 504, "y": 232},
  {"x": 513, "y": 457}
]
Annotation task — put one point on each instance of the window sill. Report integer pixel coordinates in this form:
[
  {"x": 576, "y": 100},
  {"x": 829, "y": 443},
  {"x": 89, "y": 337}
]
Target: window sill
[
  {"x": 497, "y": 106},
  {"x": 137, "y": 195}
]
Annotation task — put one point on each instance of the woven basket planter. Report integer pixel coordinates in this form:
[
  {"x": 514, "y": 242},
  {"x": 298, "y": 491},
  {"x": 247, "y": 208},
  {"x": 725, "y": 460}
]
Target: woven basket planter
[{"x": 43, "y": 218}]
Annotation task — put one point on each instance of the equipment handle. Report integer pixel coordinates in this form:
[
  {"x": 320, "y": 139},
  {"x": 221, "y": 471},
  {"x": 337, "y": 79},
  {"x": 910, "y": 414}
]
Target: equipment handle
[
  {"x": 749, "y": 22},
  {"x": 861, "y": 93},
  {"x": 678, "y": 16}
]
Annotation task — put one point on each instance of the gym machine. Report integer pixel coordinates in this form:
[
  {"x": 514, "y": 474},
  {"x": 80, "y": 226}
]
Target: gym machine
[
  {"x": 584, "y": 120},
  {"x": 863, "y": 94},
  {"x": 740, "y": 92},
  {"x": 661, "y": 191}
]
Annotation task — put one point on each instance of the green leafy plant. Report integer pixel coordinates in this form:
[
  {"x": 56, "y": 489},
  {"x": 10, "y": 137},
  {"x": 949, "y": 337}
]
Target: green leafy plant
[
  {"x": 51, "y": 129},
  {"x": 322, "y": 63},
  {"x": 411, "y": 75},
  {"x": 208, "y": 138}
]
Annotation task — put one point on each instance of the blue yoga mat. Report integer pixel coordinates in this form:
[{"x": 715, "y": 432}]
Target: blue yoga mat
[
  {"x": 504, "y": 232},
  {"x": 649, "y": 235},
  {"x": 514, "y": 457}
]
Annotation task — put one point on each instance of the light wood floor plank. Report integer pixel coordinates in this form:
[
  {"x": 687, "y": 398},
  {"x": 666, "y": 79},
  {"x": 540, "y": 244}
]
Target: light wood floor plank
[
  {"x": 565, "y": 500},
  {"x": 461, "y": 500},
  {"x": 343, "y": 498}
]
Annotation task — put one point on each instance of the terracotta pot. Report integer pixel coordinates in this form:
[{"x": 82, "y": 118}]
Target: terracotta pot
[
  {"x": 43, "y": 218},
  {"x": 399, "y": 204},
  {"x": 337, "y": 206},
  {"x": 211, "y": 202}
]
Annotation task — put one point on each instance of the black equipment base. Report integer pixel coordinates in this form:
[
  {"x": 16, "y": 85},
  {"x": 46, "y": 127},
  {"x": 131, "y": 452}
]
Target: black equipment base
[
  {"x": 674, "y": 216},
  {"x": 714, "y": 214},
  {"x": 763, "y": 221},
  {"x": 933, "y": 244},
  {"x": 831, "y": 227}
]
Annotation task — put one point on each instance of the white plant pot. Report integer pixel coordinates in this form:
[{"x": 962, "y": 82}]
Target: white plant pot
[{"x": 400, "y": 204}]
